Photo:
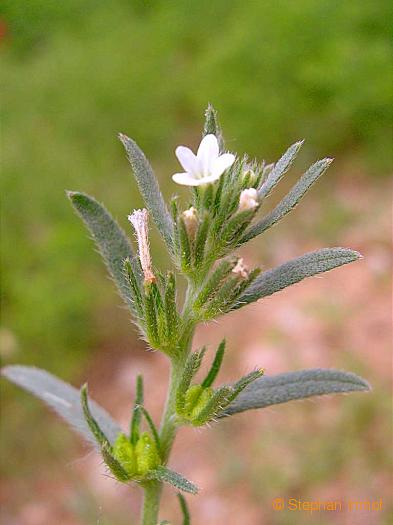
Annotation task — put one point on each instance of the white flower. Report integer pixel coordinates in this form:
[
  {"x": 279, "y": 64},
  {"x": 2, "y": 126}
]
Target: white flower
[
  {"x": 139, "y": 220},
  {"x": 248, "y": 199},
  {"x": 204, "y": 167}
]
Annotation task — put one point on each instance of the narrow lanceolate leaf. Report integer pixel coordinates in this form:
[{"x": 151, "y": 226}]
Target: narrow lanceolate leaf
[
  {"x": 136, "y": 415},
  {"x": 213, "y": 281},
  {"x": 218, "y": 400},
  {"x": 290, "y": 200},
  {"x": 240, "y": 385},
  {"x": 64, "y": 399},
  {"x": 216, "y": 365},
  {"x": 114, "y": 466},
  {"x": 95, "y": 428},
  {"x": 279, "y": 169},
  {"x": 184, "y": 246},
  {"x": 281, "y": 388},
  {"x": 184, "y": 509},
  {"x": 152, "y": 426},
  {"x": 212, "y": 126},
  {"x": 148, "y": 186},
  {"x": 200, "y": 241},
  {"x": 291, "y": 272},
  {"x": 192, "y": 366},
  {"x": 170, "y": 307},
  {"x": 111, "y": 240},
  {"x": 177, "y": 480},
  {"x": 133, "y": 274}
]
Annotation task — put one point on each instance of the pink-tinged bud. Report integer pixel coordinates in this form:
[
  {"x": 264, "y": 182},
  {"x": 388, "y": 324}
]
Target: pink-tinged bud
[
  {"x": 139, "y": 220},
  {"x": 241, "y": 269},
  {"x": 190, "y": 218},
  {"x": 248, "y": 199}
]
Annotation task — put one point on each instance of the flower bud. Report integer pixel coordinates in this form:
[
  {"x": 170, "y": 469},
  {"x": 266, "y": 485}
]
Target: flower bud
[
  {"x": 190, "y": 218},
  {"x": 249, "y": 175},
  {"x": 139, "y": 220},
  {"x": 248, "y": 199},
  {"x": 241, "y": 269}
]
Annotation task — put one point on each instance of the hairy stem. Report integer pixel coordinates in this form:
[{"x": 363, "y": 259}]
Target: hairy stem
[
  {"x": 151, "y": 502},
  {"x": 167, "y": 431}
]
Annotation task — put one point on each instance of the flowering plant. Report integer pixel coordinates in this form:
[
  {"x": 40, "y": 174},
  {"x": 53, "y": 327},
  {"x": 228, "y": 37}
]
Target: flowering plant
[{"x": 222, "y": 214}]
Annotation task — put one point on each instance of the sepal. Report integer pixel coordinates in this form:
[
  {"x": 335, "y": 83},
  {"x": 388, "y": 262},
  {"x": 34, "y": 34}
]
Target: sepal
[{"x": 166, "y": 475}]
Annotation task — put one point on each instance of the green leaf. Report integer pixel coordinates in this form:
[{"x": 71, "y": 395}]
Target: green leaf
[
  {"x": 95, "y": 428},
  {"x": 243, "y": 382},
  {"x": 136, "y": 416},
  {"x": 148, "y": 186},
  {"x": 214, "y": 406},
  {"x": 200, "y": 241},
  {"x": 216, "y": 365},
  {"x": 212, "y": 126},
  {"x": 212, "y": 282},
  {"x": 170, "y": 307},
  {"x": 152, "y": 426},
  {"x": 279, "y": 169},
  {"x": 289, "y": 201},
  {"x": 184, "y": 245},
  {"x": 184, "y": 509},
  {"x": 192, "y": 366},
  {"x": 134, "y": 276},
  {"x": 173, "y": 478},
  {"x": 110, "y": 239},
  {"x": 291, "y": 272},
  {"x": 63, "y": 398},
  {"x": 267, "y": 391},
  {"x": 114, "y": 466}
]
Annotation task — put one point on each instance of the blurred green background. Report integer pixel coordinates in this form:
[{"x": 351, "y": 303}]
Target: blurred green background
[{"x": 78, "y": 72}]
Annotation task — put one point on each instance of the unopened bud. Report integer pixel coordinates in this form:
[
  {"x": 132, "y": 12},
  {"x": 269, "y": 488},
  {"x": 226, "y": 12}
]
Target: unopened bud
[
  {"x": 249, "y": 174},
  {"x": 241, "y": 269},
  {"x": 190, "y": 218},
  {"x": 248, "y": 199},
  {"x": 139, "y": 220}
]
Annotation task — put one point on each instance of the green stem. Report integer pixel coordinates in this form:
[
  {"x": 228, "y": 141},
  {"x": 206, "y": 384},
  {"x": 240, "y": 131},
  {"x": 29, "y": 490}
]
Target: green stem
[
  {"x": 151, "y": 502},
  {"x": 167, "y": 433}
]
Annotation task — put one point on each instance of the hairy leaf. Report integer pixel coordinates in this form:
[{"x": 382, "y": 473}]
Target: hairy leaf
[
  {"x": 95, "y": 428},
  {"x": 148, "y": 186},
  {"x": 281, "y": 388},
  {"x": 212, "y": 126},
  {"x": 289, "y": 201},
  {"x": 113, "y": 464},
  {"x": 110, "y": 239},
  {"x": 177, "y": 480},
  {"x": 216, "y": 365},
  {"x": 279, "y": 169},
  {"x": 136, "y": 414},
  {"x": 291, "y": 272},
  {"x": 63, "y": 398}
]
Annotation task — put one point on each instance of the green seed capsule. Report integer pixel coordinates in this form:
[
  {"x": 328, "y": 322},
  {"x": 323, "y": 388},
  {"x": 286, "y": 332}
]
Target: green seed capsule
[
  {"x": 202, "y": 401},
  {"x": 124, "y": 452},
  {"x": 191, "y": 398},
  {"x": 147, "y": 457}
]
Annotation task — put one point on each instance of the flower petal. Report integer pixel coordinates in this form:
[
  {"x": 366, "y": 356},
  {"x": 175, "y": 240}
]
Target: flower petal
[
  {"x": 223, "y": 162},
  {"x": 187, "y": 159},
  {"x": 186, "y": 179},
  {"x": 207, "y": 153}
]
